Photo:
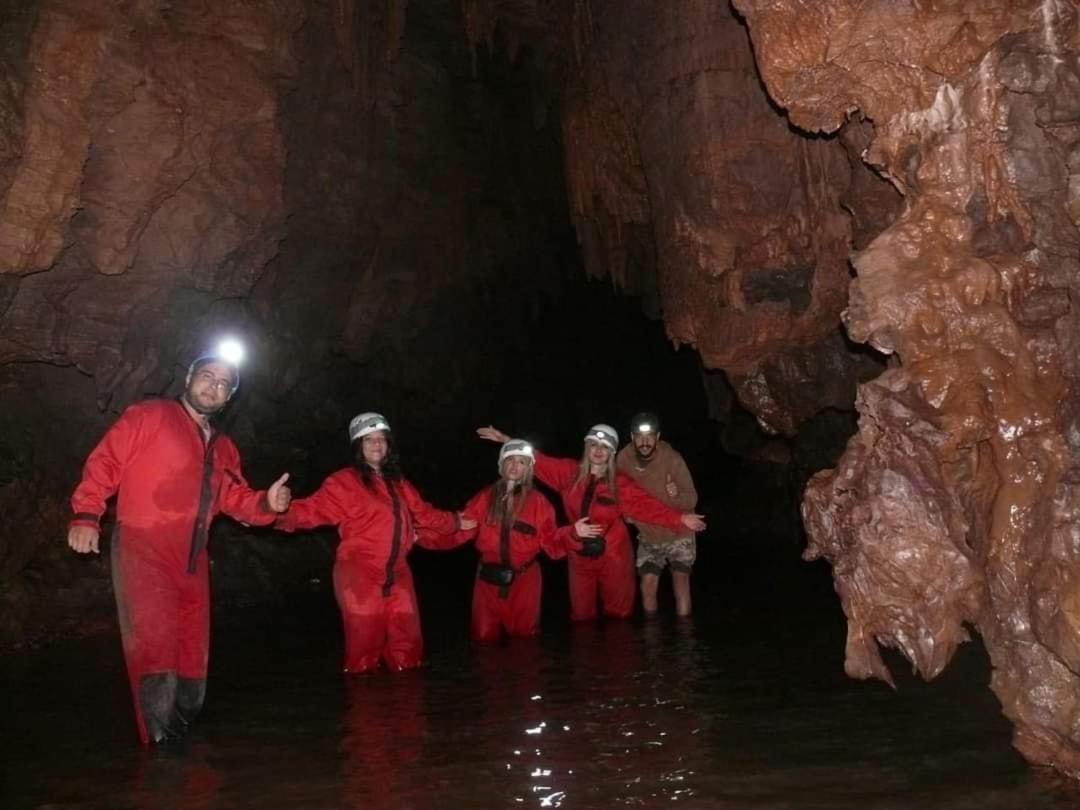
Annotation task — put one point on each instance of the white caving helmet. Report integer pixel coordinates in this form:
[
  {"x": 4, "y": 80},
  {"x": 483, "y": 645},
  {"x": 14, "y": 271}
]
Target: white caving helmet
[
  {"x": 229, "y": 351},
  {"x": 366, "y": 423},
  {"x": 516, "y": 447},
  {"x": 605, "y": 434}
]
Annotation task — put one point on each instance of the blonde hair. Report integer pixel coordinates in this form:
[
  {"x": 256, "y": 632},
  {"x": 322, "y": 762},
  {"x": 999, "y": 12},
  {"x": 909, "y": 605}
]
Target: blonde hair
[
  {"x": 584, "y": 468},
  {"x": 507, "y": 502}
]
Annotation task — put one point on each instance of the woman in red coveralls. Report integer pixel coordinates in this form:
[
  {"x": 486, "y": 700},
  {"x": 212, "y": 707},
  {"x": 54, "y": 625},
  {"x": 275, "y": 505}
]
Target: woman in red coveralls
[
  {"x": 516, "y": 523},
  {"x": 592, "y": 488},
  {"x": 378, "y": 515}
]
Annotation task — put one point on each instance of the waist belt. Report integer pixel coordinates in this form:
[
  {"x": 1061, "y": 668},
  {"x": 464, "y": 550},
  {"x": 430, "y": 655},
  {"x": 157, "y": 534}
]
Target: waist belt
[
  {"x": 592, "y": 547},
  {"x": 502, "y": 575}
]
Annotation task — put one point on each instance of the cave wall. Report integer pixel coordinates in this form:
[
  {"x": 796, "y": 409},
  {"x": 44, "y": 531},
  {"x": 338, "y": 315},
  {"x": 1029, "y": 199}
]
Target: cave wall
[
  {"x": 955, "y": 505},
  {"x": 675, "y": 153},
  {"x": 346, "y": 184},
  {"x": 352, "y": 184}
]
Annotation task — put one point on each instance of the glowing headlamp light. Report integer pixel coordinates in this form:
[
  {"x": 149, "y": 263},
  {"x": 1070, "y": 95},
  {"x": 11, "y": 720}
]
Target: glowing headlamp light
[
  {"x": 645, "y": 427},
  {"x": 231, "y": 351}
]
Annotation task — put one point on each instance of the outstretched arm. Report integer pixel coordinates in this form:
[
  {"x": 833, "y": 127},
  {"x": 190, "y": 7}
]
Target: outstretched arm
[
  {"x": 492, "y": 434},
  {"x": 426, "y": 518},
  {"x": 468, "y": 520},
  {"x": 638, "y": 504},
  {"x": 557, "y": 473},
  {"x": 240, "y": 502},
  {"x": 325, "y": 507}
]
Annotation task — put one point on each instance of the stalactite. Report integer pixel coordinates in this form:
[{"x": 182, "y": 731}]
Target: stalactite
[
  {"x": 481, "y": 17},
  {"x": 396, "y": 15},
  {"x": 345, "y": 33},
  {"x": 604, "y": 177},
  {"x": 513, "y": 46},
  {"x": 362, "y": 68},
  {"x": 581, "y": 28}
]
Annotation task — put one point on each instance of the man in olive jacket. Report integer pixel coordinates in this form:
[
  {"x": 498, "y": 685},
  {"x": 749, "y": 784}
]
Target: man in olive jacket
[{"x": 662, "y": 472}]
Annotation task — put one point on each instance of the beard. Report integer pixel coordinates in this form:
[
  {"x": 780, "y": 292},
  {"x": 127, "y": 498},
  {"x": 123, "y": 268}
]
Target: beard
[
  {"x": 645, "y": 457},
  {"x": 205, "y": 410}
]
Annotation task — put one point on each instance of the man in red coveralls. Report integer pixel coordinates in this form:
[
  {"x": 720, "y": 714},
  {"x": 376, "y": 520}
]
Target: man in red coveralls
[{"x": 172, "y": 473}]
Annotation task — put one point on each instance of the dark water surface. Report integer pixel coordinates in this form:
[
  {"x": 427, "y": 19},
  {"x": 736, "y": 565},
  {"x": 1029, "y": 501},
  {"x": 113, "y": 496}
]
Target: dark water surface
[{"x": 746, "y": 705}]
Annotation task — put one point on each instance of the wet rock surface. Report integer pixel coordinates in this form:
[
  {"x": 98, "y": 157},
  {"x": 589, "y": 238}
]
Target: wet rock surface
[
  {"x": 840, "y": 206},
  {"x": 667, "y": 128},
  {"x": 954, "y": 505}
]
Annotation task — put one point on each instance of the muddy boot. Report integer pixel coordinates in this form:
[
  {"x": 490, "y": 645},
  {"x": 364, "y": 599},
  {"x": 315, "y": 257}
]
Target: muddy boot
[
  {"x": 190, "y": 694},
  {"x": 157, "y": 697}
]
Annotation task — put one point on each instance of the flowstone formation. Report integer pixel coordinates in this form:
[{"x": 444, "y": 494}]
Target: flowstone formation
[
  {"x": 956, "y": 504},
  {"x": 687, "y": 185}
]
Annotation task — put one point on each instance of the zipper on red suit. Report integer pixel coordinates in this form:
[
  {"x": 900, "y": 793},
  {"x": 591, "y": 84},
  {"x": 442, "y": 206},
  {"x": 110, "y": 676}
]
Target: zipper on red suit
[
  {"x": 504, "y": 546},
  {"x": 395, "y": 541},
  {"x": 587, "y": 498},
  {"x": 200, "y": 534}
]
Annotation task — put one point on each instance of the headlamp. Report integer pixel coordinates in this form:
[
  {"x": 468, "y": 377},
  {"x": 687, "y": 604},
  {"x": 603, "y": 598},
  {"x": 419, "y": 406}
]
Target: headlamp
[{"x": 231, "y": 351}]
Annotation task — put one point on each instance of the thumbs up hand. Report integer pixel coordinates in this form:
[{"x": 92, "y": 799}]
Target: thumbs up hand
[
  {"x": 672, "y": 490},
  {"x": 278, "y": 495}
]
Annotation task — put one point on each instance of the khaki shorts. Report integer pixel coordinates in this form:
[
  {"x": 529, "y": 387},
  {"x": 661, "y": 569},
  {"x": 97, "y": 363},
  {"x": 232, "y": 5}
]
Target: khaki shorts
[{"x": 679, "y": 553}]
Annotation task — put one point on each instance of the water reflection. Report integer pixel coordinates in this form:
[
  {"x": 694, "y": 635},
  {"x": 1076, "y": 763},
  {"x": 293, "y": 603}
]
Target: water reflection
[
  {"x": 742, "y": 706},
  {"x": 181, "y": 774},
  {"x": 382, "y": 738}
]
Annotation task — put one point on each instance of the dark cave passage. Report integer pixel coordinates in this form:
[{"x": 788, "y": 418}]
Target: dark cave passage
[{"x": 833, "y": 245}]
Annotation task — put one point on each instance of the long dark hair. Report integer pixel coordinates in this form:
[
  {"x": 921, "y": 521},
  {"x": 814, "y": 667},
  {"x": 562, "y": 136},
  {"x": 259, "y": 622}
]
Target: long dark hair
[
  {"x": 391, "y": 466},
  {"x": 506, "y": 502}
]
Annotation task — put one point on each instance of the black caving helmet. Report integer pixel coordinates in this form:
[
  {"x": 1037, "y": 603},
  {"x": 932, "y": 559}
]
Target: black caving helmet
[{"x": 645, "y": 422}]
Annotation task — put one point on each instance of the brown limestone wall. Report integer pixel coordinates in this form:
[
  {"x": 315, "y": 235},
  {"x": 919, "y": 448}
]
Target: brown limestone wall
[
  {"x": 956, "y": 503},
  {"x": 146, "y": 181},
  {"x": 141, "y": 177},
  {"x": 348, "y": 184},
  {"x": 677, "y": 162}
]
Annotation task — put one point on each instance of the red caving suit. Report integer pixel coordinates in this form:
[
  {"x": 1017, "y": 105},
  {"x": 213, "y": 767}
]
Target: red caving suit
[
  {"x": 170, "y": 483},
  {"x": 372, "y": 580},
  {"x": 514, "y": 543},
  {"x": 611, "y": 575}
]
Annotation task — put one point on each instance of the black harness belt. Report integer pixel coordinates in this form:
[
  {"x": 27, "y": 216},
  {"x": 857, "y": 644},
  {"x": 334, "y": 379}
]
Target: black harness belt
[{"x": 502, "y": 575}]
